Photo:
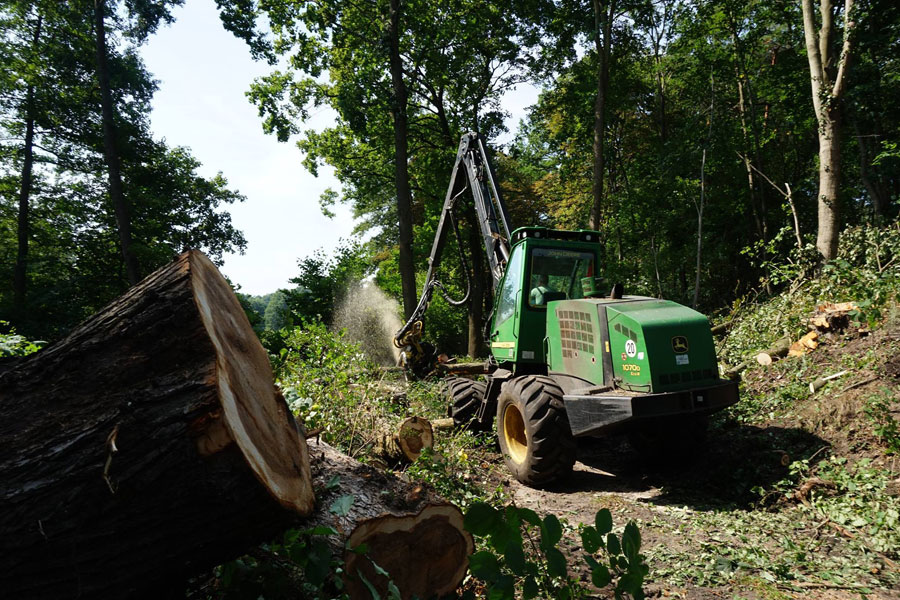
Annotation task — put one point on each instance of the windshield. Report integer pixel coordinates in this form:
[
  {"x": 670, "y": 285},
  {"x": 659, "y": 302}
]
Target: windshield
[{"x": 556, "y": 274}]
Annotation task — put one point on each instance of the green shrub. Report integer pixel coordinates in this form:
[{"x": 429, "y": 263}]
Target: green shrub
[
  {"x": 521, "y": 559},
  {"x": 12, "y": 344}
]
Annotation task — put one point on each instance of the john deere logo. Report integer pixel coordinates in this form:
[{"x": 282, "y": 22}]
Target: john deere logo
[{"x": 679, "y": 344}]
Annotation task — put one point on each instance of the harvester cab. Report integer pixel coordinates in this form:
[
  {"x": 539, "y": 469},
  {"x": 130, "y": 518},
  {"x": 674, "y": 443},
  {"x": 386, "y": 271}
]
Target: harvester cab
[{"x": 571, "y": 355}]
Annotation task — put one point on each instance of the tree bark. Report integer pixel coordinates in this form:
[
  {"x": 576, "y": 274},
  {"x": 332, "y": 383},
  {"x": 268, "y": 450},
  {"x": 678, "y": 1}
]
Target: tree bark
[
  {"x": 828, "y": 83},
  {"x": 147, "y": 445},
  {"x": 476, "y": 302},
  {"x": 401, "y": 159},
  {"x": 111, "y": 149},
  {"x": 603, "y": 17},
  {"x": 23, "y": 222},
  {"x": 411, "y": 533}
]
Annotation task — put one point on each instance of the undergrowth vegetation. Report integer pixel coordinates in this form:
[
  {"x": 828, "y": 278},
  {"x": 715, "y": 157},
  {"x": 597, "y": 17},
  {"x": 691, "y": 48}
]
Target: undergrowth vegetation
[
  {"x": 798, "y": 493},
  {"x": 866, "y": 270}
]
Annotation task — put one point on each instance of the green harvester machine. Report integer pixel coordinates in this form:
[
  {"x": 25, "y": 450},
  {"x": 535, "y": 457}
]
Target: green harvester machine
[{"x": 570, "y": 355}]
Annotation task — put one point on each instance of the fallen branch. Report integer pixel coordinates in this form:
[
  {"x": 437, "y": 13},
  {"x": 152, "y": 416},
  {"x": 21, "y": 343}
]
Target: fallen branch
[{"x": 820, "y": 382}]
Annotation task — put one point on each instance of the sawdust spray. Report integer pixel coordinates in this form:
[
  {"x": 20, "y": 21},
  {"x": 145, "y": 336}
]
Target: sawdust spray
[{"x": 371, "y": 319}]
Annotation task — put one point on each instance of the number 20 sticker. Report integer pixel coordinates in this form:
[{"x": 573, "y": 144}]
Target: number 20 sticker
[{"x": 630, "y": 348}]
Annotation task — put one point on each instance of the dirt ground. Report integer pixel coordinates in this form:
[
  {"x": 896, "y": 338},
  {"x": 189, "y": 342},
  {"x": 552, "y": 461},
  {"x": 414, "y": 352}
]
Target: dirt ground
[{"x": 709, "y": 506}]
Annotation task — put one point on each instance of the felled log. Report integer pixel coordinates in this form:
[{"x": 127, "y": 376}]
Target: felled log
[
  {"x": 147, "y": 445},
  {"x": 766, "y": 357},
  {"x": 405, "y": 442},
  {"x": 407, "y": 530},
  {"x": 721, "y": 328},
  {"x": 470, "y": 368}
]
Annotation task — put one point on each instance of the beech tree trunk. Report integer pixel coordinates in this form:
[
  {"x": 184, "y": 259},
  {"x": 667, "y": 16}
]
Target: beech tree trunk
[
  {"x": 111, "y": 147},
  {"x": 828, "y": 76},
  {"x": 147, "y": 445},
  {"x": 603, "y": 18},
  {"x": 401, "y": 159},
  {"x": 23, "y": 223},
  {"x": 412, "y": 534}
]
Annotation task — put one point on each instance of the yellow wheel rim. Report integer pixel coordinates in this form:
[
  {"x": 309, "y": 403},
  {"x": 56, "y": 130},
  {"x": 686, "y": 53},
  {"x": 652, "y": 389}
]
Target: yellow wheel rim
[{"x": 514, "y": 434}]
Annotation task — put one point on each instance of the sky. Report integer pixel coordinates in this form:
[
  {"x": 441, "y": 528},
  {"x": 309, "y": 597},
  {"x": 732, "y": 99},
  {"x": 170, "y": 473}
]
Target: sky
[{"x": 203, "y": 73}]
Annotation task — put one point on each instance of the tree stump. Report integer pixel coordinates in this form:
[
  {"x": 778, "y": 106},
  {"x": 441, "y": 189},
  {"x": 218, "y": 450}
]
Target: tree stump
[{"x": 147, "y": 445}]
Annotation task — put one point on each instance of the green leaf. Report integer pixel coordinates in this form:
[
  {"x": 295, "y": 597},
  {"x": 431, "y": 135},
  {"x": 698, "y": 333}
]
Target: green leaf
[
  {"x": 529, "y": 516},
  {"x": 551, "y": 532},
  {"x": 603, "y": 521},
  {"x": 515, "y": 558},
  {"x": 320, "y": 530},
  {"x": 530, "y": 588},
  {"x": 482, "y": 519},
  {"x": 556, "y": 562},
  {"x": 369, "y": 586},
  {"x": 612, "y": 544},
  {"x": 631, "y": 540},
  {"x": 600, "y": 576},
  {"x": 504, "y": 589},
  {"x": 341, "y": 506},
  {"x": 591, "y": 540},
  {"x": 485, "y": 566}
]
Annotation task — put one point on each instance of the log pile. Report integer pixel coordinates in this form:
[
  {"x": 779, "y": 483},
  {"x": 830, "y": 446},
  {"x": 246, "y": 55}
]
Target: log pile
[{"x": 151, "y": 444}]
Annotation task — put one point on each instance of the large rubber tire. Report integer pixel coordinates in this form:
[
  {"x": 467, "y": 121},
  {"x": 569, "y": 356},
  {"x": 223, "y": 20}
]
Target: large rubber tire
[
  {"x": 533, "y": 430},
  {"x": 463, "y": 396}
]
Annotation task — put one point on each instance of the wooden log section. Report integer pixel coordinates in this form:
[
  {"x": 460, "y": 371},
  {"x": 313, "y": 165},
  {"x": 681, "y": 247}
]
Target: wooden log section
[
  {"x": 410, "y": 532},
  {"x": 406, "y": 443},
  {"x": 147, "y": 445}
]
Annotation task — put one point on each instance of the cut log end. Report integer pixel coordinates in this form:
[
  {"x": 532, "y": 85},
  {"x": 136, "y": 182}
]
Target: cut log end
[
  {"x": 415, "y": 434},
  {"x": 425, "y": 555},
  {"x": 260, "y": 429}
]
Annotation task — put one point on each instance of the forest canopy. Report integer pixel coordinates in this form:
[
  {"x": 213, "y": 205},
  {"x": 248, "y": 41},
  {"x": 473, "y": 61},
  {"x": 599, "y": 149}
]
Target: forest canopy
[{"x": 708, "y": 141}]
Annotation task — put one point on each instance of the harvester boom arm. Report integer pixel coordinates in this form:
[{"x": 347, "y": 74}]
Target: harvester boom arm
[{"x": 471, "y": 171}]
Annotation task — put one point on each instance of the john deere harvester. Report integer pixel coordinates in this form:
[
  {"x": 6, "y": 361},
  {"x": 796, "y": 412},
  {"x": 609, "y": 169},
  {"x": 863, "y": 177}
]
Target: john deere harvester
[{"x": 570, "y": 354}]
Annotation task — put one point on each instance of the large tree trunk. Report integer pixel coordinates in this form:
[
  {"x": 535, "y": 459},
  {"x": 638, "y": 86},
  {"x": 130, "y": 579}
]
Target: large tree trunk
[
  {"x": 23, "y": 223},
  {"x": 147, "y": 445},
  {"x": 111, "y": 149},
  {"x": 828, "y": 81},
  {"x": 409, "y": 532},
  {"x": 401, "y": 167},
  {"x": 603, "y": 18}
]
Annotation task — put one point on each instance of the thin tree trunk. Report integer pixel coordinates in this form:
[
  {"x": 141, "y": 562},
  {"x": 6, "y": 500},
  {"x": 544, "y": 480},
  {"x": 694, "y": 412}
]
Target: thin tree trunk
[
  {"x": 864, "y": 174},
  {"x": 476, "y": 302},
  {"x": 603, "y": 16},
  {"x": 700, "y": 228},
  {"x": 828, "y": 81},
  {"x": 401, "y": 167},
  {"x": 111, "y": 149},
  {"x": 23, "y": 224}
]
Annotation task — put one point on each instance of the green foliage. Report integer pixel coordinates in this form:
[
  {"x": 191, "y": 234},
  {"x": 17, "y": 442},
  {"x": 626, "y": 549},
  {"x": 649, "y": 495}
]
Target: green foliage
[
  {"x": 300, "y": 562},
  {"x": 323, "y": 280},
  {"x": 276, "y": 316},
  {"x": 12, "y": 344},
  {"x": 880, "y": 408},
  {"x": 521, "y": 557},
  {"x": 866, "y": 271},
  {"x": 317, "y": 370}
]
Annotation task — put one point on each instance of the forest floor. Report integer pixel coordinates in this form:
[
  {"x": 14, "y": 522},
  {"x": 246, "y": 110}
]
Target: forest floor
[{"x": 793, "y": 495}]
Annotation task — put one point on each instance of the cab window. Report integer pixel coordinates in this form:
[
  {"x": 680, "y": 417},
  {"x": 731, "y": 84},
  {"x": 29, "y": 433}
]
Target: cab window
[
  {"x": 556, "y": 274},
  {"x": 506, "y": 305}
]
